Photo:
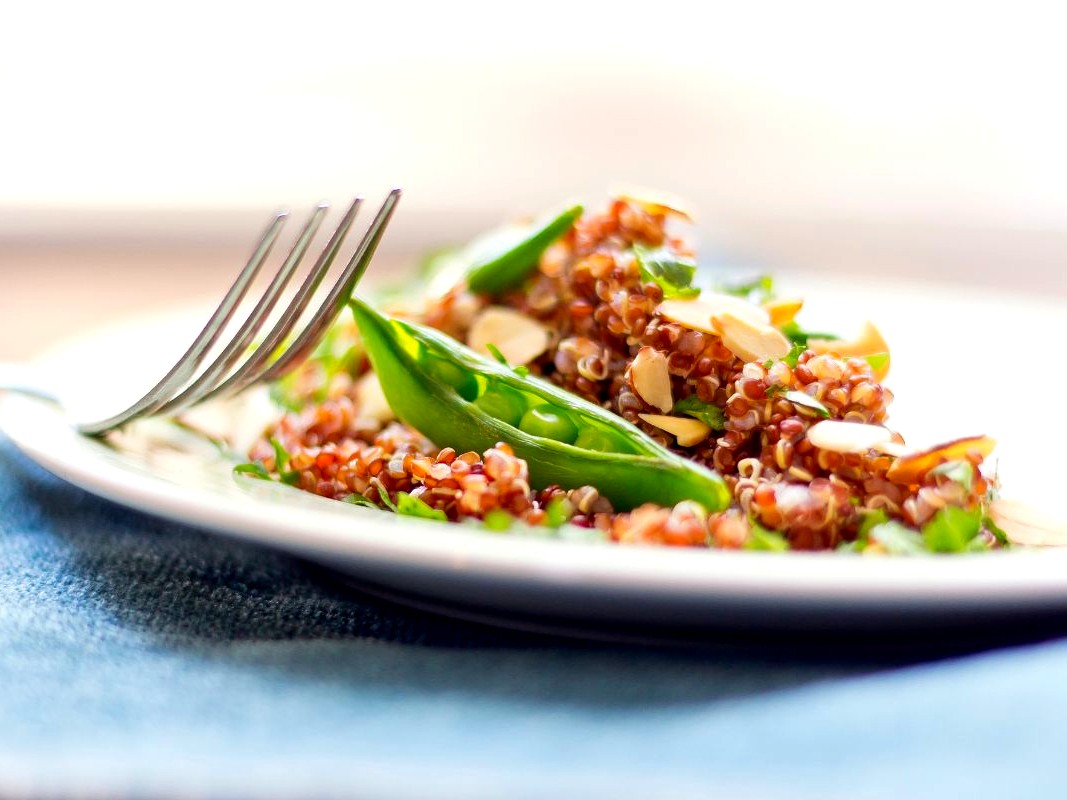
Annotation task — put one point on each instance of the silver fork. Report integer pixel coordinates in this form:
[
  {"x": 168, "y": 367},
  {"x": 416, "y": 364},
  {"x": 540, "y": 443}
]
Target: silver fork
[{"x": 185, "y": 384}]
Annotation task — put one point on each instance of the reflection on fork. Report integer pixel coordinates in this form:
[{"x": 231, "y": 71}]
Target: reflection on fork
[{"x": 236, "y": 367}]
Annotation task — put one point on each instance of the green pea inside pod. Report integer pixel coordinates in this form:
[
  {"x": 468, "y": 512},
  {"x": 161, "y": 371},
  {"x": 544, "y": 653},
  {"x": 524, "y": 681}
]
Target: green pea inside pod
[
  {"x": 598, "y": 440},
  {"x": 502, "y": 403},
  {"x": 450, "y": 374},
  {"x": 549, "y": 422}
]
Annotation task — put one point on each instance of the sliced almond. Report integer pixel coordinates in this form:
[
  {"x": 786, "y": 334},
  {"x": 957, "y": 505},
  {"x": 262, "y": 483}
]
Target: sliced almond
[
  {"x": 518, "y": 338},
  {"x": 847, "y": 437},
  {"x": 651, "y": 379},
  {"x": 655, "y": 202},
  {"x": 686, "y": 430},
  {"x": 370, "y": 398},
  {"x": 870, "y": 342},
  {"x": 911, "y": 468},
  {"x": 698, "y": 312},
  {"x": 895, "y": 449},
  {"x": 1028, "y": 526},
  {"x": 784, "y": 311},
  {"x": 751, "y": 342}
]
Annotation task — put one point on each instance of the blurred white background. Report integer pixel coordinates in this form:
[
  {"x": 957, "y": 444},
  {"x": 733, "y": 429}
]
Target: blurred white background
[{"x": 919, "y": 139}]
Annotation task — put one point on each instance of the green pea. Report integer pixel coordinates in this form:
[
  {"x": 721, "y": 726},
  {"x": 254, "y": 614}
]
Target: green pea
[
  {"x": 502, "y": 404},
  {"x": 549, "y": 423},
  {"x": 452, "y": 375},
  {"x": 597, "y": 439}
]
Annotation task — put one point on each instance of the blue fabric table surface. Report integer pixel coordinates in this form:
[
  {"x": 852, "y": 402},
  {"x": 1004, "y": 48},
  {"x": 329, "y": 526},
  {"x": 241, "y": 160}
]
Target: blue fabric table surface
[{"x": 143, "y": 659}]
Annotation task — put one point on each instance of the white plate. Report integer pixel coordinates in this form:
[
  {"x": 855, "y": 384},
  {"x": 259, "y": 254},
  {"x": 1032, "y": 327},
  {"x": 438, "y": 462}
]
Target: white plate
[{"x": 1005, "y": 383}]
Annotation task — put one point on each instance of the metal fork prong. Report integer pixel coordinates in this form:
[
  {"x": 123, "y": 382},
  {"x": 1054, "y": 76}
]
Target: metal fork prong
[
  {"x": 220, "y": 367},
  {"x": 258, "y": 363},
  {"x": 184, "y": 368},
  {"x": 338, "y": 297}
]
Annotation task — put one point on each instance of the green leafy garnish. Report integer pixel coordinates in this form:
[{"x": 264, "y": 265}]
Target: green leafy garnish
[
  {"x": 410, "y": 506},
  {"x": 756, "y": 291},
  {"x": 711, "y": 415},
  {"x": 961, "y": 472},
  {"x": 359, "y": 500},
  {"x": 387, "y": 501},
  {"x": 672, "y": 273},
  {"x": 897, "y": 539},
  {"x": 498, "y": 520},
  {"x": 870, "y": 518},
  {"x": 998, "y": 532},
  {"x": 254, "y": 468},
  {"x": 807, "y": 401},
  {"x": 555, "y": 513},
  {"x": 952, "y": 529},
  {"x": 798, "y": 335},
  {"x": 877, "y": 361},
  {"x": 762, "y": 539},
  {"x": 281, "y": 464}
]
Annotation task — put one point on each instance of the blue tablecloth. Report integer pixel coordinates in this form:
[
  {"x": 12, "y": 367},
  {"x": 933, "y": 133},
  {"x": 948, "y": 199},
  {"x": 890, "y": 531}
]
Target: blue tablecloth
[{"x": 140, "y": 658}]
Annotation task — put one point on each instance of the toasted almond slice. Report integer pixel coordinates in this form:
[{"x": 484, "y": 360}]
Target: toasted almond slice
[
  {"x": 697, "y": 312},
  {"x": 869, "y": 342},
  {"x": 847, "y": 437},
  {"x": 655, "y": 202},
  {"x": 519, "y": 338},
  {"x": 1028, "y": 526},
  {"x": 370, "y": 398},
  {"x": 651, "y": 379},
  {"x": 751, "y": 342},
  {"x": 783, "y": 311},
  {"x": 895, "y": 449},
  {"x": 686, "y": 430},
  {"x": 911, "y": 468}
]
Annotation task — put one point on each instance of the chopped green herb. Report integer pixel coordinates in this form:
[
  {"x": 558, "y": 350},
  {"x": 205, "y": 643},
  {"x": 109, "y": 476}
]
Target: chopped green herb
[
  {"x": 387, "y": 501},
  {"x": 762, "y": 539},
  {"x": 998, "y": 532},
  {"x": 807, "y": 401},
  {"x": 555, "y": 513},
  {"x": 359, "y": 500},
  {"x": 255, "y": 469},
  {"x": 798, "y": 335},
  {"x": 672, "y": 273},
  {"x": 756, "y": 291},
  {"x": 281, "y": 464},
  {"x": 415, "y": 507},
  {"x": 877, "y": 361},
  {"x": 897, "y": 539},
  {"x": 961, "y": 472},
  {"x": 871, "y": 518},
  {"x": 952, "y": 529},
  {"x": 711, "y": 415},
  {"x": 498, "y": 520}
]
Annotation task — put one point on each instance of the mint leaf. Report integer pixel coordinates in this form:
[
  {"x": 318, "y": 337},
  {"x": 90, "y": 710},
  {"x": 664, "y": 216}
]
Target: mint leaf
[
  {"x": 998, "y": 532},
  {"x": 760, "y": 538},
  {"x": 952, "y": 529},
  {"x": 555, "y": 513},
  {"x": 961, "y": 472},
  {"x": 756, "y": 291},
  {"x": 255, "y": 469},
  {"x": 359, "y": 500},
  {"x": 869, "y": 519},
  {"x": 672, "y": 273},
  {"x": 711, "y": 415},
  {"x": 897, "y": 539},
  {"x": 498, "y": 520},
  {"x": 386, "y": 500},
  {"x": 798, "y": 335},
  {"x": 415, "y": 507}
]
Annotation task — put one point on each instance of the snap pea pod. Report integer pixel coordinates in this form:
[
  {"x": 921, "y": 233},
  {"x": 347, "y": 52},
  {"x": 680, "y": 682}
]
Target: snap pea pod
[
  {"x": 456, "y": 397},
  {"x": 515, "y": 253}
]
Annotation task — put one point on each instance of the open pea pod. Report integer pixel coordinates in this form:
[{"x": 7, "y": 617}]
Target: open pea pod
[
  {"x": 458, "y": 398},
  {"x": 510, "y": 255}
]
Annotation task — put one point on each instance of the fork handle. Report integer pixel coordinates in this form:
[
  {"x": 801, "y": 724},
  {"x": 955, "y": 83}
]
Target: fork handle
[{"x": 21, "y": 379}]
